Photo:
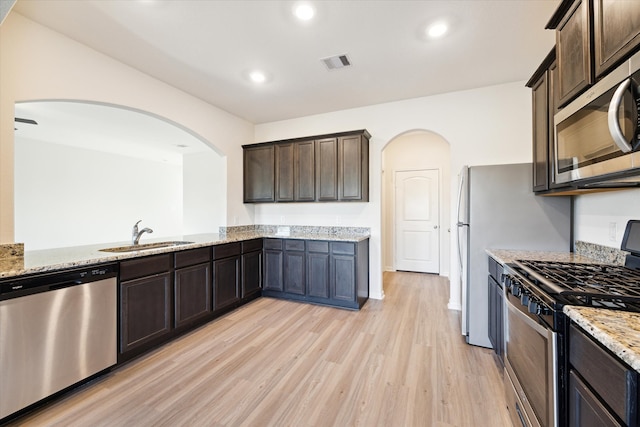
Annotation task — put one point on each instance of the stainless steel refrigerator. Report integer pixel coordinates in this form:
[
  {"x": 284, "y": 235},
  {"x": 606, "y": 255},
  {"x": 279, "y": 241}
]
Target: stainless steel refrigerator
[{"x": 498, "y": 209}]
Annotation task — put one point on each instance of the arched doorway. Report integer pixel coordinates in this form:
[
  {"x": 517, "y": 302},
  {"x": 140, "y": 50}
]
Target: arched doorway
[{"x": 416, "y": 164}]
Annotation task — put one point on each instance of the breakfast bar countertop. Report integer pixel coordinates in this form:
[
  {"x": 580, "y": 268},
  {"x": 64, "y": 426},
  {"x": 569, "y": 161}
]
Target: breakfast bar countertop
[{"x": 39, "y": 261}]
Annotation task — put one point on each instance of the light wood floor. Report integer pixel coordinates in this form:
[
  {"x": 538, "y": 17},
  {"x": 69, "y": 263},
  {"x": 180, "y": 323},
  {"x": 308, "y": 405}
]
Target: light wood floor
[{"x": 397, "y": 362}]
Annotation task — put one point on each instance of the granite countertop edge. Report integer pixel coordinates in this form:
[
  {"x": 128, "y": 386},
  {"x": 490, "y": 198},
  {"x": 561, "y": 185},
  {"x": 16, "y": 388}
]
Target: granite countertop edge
[
  {"x": 505, "y": 256},
  {"x": 39, "y": 261},
  {"x": 618, "y": 331}
]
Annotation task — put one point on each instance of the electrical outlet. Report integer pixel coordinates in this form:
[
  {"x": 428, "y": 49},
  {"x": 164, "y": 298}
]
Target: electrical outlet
[{"x": 613, "y": 231}]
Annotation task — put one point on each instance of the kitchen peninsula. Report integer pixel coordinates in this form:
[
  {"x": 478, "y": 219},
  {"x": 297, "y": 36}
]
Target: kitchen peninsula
[{"x": 146, "y": 296}]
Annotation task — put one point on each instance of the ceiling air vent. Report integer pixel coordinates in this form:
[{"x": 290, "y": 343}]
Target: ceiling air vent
[{"x": 335, "y": 62}]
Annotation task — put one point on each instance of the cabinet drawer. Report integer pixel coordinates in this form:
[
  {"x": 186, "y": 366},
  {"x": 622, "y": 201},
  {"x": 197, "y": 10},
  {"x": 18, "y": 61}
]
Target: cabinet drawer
[
  {"x": 612, "y": 380},
  {"x": 316, "y": 246},
  {"x": 294, "y": 245},
  {"x": 274, "y": 244},
  {"x": 343, "y": 248},
  {"x": 192, "y": 257},
  {"x": 146, "y": 266},
  {"x": 251, "y": 245},
  {"x": 226, "y": 250},
  {"x": 495, "y": 269}
]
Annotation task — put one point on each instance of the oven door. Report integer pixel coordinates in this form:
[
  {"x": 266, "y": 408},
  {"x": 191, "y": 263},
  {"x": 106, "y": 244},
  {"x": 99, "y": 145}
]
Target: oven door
[{"x": 531, "y": 365}]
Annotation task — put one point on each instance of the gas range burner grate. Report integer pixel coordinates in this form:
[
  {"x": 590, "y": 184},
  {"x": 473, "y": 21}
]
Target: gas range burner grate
[{"x": 587, "y": 284}]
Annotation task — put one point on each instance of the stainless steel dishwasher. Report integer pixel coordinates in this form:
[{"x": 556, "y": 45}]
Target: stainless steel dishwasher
[{"x": 56, "y": 329}]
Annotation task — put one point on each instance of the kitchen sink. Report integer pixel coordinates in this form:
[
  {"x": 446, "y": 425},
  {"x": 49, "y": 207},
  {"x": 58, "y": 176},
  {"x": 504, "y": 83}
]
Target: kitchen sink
[{"x": 142, "y": 247}]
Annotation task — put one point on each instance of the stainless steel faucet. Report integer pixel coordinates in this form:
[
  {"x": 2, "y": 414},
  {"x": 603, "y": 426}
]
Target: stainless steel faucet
[{"x": 135, "y": 234}]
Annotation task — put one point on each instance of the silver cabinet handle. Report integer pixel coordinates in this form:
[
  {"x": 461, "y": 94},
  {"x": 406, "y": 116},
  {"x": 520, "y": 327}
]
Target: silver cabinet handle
[{"x": 614, "y": 124}]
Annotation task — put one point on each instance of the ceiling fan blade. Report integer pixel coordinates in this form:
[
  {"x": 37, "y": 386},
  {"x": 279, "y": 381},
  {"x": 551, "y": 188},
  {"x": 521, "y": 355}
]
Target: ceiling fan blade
[{"x": 29, "y": 121}]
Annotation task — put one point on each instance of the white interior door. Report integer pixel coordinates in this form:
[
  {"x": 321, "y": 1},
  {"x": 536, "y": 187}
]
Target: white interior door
[{"x": 417, "y": 227}]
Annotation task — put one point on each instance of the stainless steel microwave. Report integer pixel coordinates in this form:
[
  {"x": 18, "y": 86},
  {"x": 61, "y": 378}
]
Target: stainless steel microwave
[{"x": 597, "y": 135}]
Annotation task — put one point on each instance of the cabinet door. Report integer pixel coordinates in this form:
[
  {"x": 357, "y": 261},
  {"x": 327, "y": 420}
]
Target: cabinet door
[
  {"x": 192, "y": 293},
  {"x": 493, "y": 314},
  {"x": 318, "y": 274},
  {"x": 273, "y": 268},
  {"x": 351, "y": 168},
  {"x": 343, "y": 278},
  {"x": 499, "y": 323},
  {"x": 259, "y": 174},
  {"x": 327, "y": 169},
  {"x": 585, "y": 409},
  {"x": 304, "y": 179},
  {"x": 284, "y": 172},
  {"x": 573, "y": 47},
  {"x": 294, "y": 277},
  {"x": 251, "y": 273},
  {"x": 616, "y": 31},
  {"x": 226, "y": 281},
  {"x": 541, "y": 134},
  {"x": 145, "y": 310}
]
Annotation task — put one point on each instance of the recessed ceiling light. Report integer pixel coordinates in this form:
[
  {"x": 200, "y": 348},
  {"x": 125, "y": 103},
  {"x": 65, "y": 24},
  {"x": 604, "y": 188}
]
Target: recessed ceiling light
[
  {"x": 257, "y": 77},
  {"x": 438, "y": 29},
  {"x": 304, "y": 11}
]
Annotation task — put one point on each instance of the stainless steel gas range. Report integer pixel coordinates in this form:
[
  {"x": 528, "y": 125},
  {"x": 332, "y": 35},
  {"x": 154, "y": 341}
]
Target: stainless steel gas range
[{"x": 536, "y": 362}]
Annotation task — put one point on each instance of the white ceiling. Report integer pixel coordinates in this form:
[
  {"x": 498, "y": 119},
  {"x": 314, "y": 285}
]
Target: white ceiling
[{"x": 207, "y": 47}]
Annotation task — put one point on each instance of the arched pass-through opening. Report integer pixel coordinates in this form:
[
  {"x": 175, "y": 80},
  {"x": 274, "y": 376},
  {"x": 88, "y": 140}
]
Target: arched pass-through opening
[
  {"x": 87, "y": 171},
  {"x": 416, "y": 174}
]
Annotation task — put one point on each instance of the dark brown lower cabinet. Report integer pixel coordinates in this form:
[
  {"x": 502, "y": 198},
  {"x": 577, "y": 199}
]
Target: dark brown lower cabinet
[
  {"x": 226, "y": 282},
  {"x": 332, "y": 273},
  {"x": 294, "y": 260},
  {"x": 585, "y": 409},
  {"x": 192, "y": 293},
  {"x": 603, "y": 390},
  {"x": 318, "y": 266},
  {"x": 273, "y": 266},
  {"x": 146, "y": 309},
  {"x": 251, "y": 268}
]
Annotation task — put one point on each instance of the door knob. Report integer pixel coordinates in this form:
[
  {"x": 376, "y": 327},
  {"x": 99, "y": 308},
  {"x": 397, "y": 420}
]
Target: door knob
[{"x": 435, "y": 226}]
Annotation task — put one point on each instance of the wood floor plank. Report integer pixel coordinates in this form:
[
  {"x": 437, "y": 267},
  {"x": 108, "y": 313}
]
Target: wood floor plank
[{"x": 397, "y": 362}]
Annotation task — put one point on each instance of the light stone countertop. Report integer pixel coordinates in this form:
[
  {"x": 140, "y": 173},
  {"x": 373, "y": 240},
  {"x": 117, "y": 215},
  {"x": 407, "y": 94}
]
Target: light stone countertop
[
  {"x": 619, "y": 331},
  {"x": 504, "y": 256},
  {"x": 38, "y": 261}
]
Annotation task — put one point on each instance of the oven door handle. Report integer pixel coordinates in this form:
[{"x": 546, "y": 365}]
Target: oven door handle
[{"x": 545, "y": 332}]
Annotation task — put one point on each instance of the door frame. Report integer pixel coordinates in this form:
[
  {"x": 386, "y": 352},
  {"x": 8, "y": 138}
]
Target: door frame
[{"x": 393, "y": 216}]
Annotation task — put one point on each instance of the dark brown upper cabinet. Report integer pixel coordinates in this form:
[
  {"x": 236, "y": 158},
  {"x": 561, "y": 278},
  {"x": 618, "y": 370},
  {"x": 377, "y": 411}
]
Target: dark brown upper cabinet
[
  {"x": 322, "y": 168},
  {"x": 327, "y": 169},
  {"x": 284, "y": 172},
  {"x": 573, "y": 49},
  {"x": 259, "y": 174},
  {"x": 592, "y": 37},
  {"x": 544, "y": 107},
  {"x": 540, "y": 91},
  {"x": 616, "y": 32},
  {"x": 304, "y": 181},
  {"x": 353, "y": 168}
]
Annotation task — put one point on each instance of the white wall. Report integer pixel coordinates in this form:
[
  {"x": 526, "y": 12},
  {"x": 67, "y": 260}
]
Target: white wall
[
  {"x": 37, "y": 63},
  {"x": 415, "y": 151},
  {"x": 594, "y": 215},
  {"x": 204, "y": 193},
  {"x": 68, "y": 196},
  {"x": 490, "y": 125}
]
